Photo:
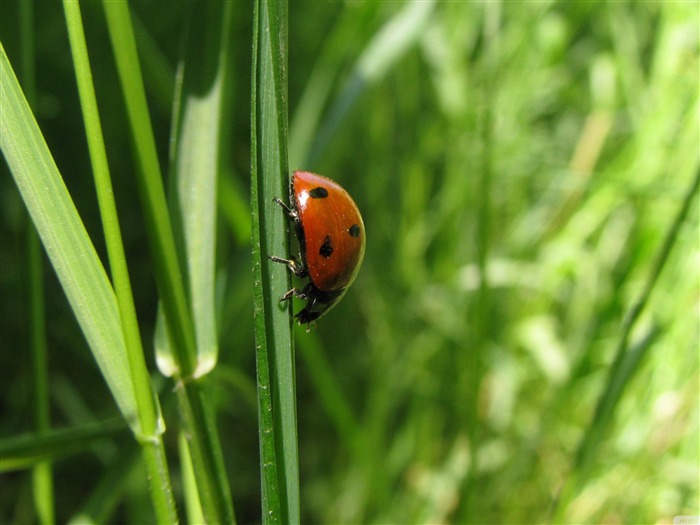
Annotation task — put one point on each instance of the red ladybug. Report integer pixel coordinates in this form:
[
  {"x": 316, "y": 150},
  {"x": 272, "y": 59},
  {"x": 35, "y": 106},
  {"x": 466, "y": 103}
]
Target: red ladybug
[{"x": 331, "y": 241}]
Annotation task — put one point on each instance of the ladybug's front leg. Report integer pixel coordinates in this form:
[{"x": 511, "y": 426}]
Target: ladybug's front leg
[
  {"x": 291, "y": 212},
  {"x": 293, "y": 264}
]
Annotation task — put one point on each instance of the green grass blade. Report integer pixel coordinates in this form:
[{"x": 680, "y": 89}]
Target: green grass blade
[
  {"x": 158, "y": 72},
  {"x": 207, "y": 458},
  {"x": 168, "y": 272},
  {"x": 64, "y": 237},
  {"x": 346, "y": 36},
  {"x": 274, "y": 349},
  {"x": 195, "y": 166},
  {"x": 626, "y": 364},
  {"x": 233, "y": 202},
  {"x": 26, "y": 450},
  {"x": 195, "y": 406},
  {"x": 332, "y": 397},
  {"x": 151, "y": 426},
  {"x": 189, "y": 483}
]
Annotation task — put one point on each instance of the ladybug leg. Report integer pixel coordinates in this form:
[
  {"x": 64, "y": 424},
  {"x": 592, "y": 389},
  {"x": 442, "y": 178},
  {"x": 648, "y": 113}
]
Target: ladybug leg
[
  {"x": 292, "y": 213},
  {"x": 295, "y": 293},
  {"x": 293, "y": 264},
  {"x": 300, "y": 294}
]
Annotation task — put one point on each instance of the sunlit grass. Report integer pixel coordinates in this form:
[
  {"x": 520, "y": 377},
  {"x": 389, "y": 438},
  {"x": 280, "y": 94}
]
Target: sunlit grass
[{"x": 519, "y": 167}]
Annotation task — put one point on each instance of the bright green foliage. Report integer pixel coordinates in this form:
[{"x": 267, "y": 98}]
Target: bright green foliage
[{"x": 521, "y": 344}]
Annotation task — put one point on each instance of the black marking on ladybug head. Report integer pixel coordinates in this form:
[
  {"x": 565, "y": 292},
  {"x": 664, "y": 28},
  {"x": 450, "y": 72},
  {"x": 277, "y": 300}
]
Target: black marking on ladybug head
[
  {"x": 326, "y": 248},
  {"x": 354, "y": 230},
  {"x": 318, "y": 193}
]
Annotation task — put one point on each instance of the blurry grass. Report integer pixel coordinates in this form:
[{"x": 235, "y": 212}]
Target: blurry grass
[
  {"x": 23, "y": 450},
  {"x": 518, "y": 168},
  {"x": 518, "y": 177},
  {"x": 42, "y": 480}
]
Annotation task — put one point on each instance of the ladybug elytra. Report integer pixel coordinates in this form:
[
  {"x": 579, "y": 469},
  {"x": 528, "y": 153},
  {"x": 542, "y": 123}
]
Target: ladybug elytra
[{"x": 331, "y": 238}]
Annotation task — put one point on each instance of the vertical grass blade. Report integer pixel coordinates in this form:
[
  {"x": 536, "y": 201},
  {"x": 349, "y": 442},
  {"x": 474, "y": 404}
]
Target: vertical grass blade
[
  {"x": 42, "y": 475},
  {"x": 151, "y": 426},
  {"x": 195, "y": 406},
  {"x": 344, "y": 38},
  {"x": 273, "y": 334},
  {"x": 194, "y": 165},
  {"x": 626, "y": 360},
  {"x": 189, "y": 482},
  {"x": 168, "y": 272}
]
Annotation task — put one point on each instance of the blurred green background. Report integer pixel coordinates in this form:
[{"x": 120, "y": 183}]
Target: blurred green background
[{"x": 518, "y": 166}]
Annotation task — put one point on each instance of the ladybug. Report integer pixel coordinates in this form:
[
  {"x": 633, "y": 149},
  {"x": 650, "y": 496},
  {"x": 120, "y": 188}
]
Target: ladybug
[{"x": 331, "y": 238}]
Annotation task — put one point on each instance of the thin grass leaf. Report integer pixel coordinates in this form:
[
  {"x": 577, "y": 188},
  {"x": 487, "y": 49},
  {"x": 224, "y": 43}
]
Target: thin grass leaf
[
  {"x": 189, "y": 483},
  {"x": 168, "y": 272},
  {"x": 27, "y": 450},
  {"x": 333, "y": 398},
  {"x": 626, "y": 361},
  {"x": 151, "y": 426},
  {"x": 273, "y": 335},
  {"x": 234, "y": 202},
  {"x": 157, "y": 70},
  {"x": 195, "y": 164},
  {"x": 346, "y": 36},
  {"x": 195, "y": 406},
  {"x": 64, "y": 237}
]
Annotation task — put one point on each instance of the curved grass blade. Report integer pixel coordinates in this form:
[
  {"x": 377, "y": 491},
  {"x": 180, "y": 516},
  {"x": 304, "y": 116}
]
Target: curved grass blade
[{"x": 63, "y": 235}]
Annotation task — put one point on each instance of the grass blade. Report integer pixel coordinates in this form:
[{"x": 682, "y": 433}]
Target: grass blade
[
  {"x": 64, "y": 237},
  {"x": 151, "y": 426},
  {"x": 195, "y": 165},
  {"x": 346, "y": 36},
  {"x": 195, "y": 406},
  {"x": 26, "y": 450},
  {"x": 274, "y": 344},
  {"x": 168, "y": 272},
  {"x": 626, "y": 363}
]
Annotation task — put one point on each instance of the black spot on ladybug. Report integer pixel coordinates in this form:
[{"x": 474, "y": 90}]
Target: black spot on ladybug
[
  {"x": 326, "y": 248},
  {"x": 318, "y": 193},
  {"x": 354, "y": 230}
]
